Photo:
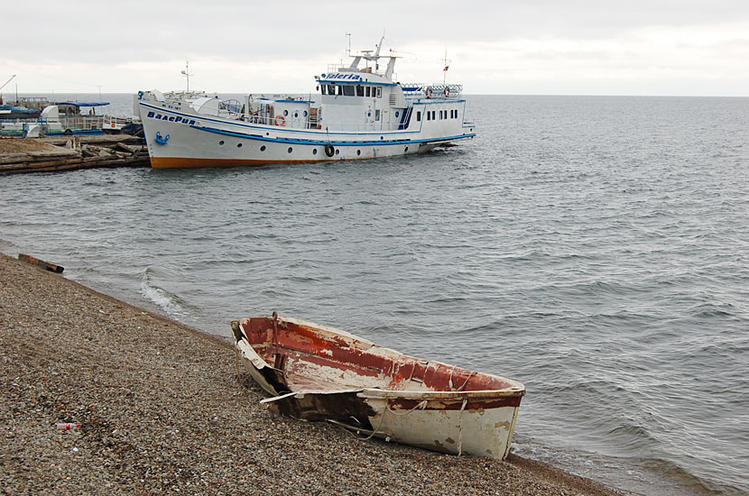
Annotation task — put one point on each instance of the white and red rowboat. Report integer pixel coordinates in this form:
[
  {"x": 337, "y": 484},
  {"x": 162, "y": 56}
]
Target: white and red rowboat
[{"x": 316, "y": 372}]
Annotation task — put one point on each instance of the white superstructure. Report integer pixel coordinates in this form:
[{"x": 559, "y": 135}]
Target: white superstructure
[{"x": 356, "y": 113}]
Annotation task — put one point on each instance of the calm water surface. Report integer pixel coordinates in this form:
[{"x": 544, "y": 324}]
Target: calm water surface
[{"x": 594, "y": 248}]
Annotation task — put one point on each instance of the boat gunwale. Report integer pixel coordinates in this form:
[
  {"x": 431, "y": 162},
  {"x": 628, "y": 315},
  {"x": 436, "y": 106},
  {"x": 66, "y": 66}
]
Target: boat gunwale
[{"x": 515, "y": 387}]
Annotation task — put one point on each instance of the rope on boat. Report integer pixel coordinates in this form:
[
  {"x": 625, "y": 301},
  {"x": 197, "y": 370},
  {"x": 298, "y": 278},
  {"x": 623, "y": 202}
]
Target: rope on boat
[
  {"x": 460, "y": 426},
  {"x": 420, "y": 405},
  {"x": 464, "y": 384}
]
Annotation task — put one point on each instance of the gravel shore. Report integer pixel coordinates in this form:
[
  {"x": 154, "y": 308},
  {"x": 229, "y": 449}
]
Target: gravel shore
[{"x": 164, "y": 408}]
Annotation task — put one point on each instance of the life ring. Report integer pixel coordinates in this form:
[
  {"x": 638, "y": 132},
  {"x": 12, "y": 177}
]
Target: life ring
[
  {"x": 280, "y": 120},
  {"x": 428, "y": 92},
  {"x": 447, "y": 92},
  {"x": 329, "y": 150}
]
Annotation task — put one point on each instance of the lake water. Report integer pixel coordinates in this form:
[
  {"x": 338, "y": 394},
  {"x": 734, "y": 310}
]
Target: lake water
[{"x": 594, "y": 248}]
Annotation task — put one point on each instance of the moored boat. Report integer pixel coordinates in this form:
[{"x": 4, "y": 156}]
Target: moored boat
[
  {"x": 316, "y": 372},
  {"x": 357, "y": 112}
]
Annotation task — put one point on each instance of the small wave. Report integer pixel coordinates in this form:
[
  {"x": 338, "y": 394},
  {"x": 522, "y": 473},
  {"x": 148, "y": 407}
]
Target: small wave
[
  {"x": 708, "y": 310},
  {"x": 162, "y": 298},
  {"x": 685, "y": 478}
]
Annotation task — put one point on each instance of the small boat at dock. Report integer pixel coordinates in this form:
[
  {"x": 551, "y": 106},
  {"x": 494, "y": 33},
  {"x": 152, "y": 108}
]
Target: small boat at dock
[{"x": 318, "y": 373}]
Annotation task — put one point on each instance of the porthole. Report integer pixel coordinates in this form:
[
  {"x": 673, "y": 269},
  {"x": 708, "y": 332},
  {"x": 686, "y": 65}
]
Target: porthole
[
  {"x": 406, "y": 149},
  {"x": 305, "y": 113},
  {"x": 369, "y": 114},
  {"x": 221, "y": 143},
  {"x": 396, "y": 113},
  {"x": 296, "y": 115},
  {"x": 239, "y": 145},
  {"x": 358, "y": 152},
  {"x": 290, "y": 149},
  {"x": 381, "y": 137},
  {"x": 262, "y": 148},
  {"x": 337, "y": 151},
  {"x": 285, "y": 113},
  {"x": 314, "y": 151}
]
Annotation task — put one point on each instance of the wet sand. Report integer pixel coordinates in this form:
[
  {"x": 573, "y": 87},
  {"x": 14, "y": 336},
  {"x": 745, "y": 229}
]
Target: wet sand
[{"x": 166, "y": 408}]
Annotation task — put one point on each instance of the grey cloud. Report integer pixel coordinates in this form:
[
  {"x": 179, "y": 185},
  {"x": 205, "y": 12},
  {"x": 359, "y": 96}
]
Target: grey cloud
[{"x": 110, "y": 32}]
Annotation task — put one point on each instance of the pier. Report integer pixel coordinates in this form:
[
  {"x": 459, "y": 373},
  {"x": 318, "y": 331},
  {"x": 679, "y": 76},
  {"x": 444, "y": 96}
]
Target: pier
[{"x": 51, "y": 154}]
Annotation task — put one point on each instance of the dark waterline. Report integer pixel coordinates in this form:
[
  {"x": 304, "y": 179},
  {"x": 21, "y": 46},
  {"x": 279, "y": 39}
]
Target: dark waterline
[{"x": 594, "y": 248}]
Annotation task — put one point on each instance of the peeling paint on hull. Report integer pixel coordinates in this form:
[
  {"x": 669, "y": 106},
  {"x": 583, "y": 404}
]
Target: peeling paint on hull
[{"x": 321, "y": 373}]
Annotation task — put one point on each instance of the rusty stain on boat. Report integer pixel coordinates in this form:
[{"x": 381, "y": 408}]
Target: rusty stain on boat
[{"x": 320, "y": 373}]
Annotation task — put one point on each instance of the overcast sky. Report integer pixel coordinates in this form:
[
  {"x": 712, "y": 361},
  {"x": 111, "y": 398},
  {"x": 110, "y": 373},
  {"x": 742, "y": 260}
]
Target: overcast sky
[{"x": 583, "y": 47}]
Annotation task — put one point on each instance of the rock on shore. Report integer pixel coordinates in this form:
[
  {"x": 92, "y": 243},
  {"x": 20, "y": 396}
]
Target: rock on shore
[{"x": 164, "y": 408}]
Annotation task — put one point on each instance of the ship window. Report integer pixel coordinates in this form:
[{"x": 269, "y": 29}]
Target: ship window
[
  {"x": 323, "y": 89},
  {"x": 359, "y": 90},
  {"x": 314, "y": 151},
  {"x": 340, "y": 89},
  {"x": 296, "y": 115},
  {"x": 418, "y": 116},
  {"x": 290, "y": 149},
  {"x": 434, "y": 115},
  {"x": 239, "y": 145},
  {"x": 348, "y": 90},
  {"x": 337, "y": 151},
  {"x": 368, "y": 91},
  {"x": 262, "y": 148},
  {"x": 305, "y": 113},
  {"x": 396, "y": 113},
  {"x": 221, "y": 142},
  {"x": 429, "y": 116},
  {"x": 379, "y": 92},
  {"x": 331, "y": 89},
  {"x": 358, "y": 152},
  {"x": 285, "y": 113},
  {"x": 377, "y": 115}
]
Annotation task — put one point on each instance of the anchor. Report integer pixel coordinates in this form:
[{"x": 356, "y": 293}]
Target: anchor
[{"x": 160, "y": 140}]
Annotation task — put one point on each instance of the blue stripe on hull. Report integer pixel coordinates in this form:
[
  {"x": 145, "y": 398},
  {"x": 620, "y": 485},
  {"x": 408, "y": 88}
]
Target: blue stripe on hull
[{"x": 404, "y": 141}]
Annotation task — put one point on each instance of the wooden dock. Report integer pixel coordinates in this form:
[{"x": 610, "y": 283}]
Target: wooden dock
[{"x": 19, "y": 155}]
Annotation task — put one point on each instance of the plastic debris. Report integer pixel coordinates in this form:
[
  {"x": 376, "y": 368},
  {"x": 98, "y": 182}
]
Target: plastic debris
[{"x": 65, "y": 426}]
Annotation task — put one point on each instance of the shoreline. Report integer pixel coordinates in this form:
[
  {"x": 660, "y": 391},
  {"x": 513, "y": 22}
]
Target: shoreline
[{"x": 165, "y": 407}]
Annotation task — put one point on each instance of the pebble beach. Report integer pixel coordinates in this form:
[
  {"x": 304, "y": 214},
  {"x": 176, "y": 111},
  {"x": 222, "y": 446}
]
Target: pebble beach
[{"x": 164, "y": 408}]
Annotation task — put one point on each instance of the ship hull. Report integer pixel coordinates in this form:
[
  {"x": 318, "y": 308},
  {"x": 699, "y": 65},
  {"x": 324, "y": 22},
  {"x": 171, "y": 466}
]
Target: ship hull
[{"x": 187, "y": 140}]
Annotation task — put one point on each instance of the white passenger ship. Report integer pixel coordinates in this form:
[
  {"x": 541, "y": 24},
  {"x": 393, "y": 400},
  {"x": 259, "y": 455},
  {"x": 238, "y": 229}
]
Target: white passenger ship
[{"x": 357, "y": 113}]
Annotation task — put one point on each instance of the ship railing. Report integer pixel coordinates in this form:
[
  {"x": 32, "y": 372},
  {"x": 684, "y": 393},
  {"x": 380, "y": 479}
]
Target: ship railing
[
  {"x": 436, "y": 90},
  {"x": 88, "y": 122},
  {"x": 313, "y": 122}
]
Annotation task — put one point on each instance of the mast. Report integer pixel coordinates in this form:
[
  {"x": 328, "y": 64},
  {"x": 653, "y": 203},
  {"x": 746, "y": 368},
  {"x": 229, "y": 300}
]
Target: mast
[
  {"x": 446, "y": 67},
  {"x": 186, "y": 73}
]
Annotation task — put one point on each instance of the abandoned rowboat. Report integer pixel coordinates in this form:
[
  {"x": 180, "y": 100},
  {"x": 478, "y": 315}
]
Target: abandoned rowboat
[{"x": 316, "y": 372}]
